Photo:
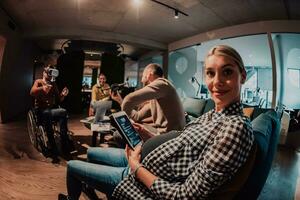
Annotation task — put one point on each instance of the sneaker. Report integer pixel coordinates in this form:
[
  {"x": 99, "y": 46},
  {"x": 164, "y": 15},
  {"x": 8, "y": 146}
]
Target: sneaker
[
  {"x": 71, "y": 145},
  {"x": 90, "y": 192},
  {"x": 55, "y": 160},
  {"x": 67, "y": 156},
  {"x": 63, "y": 197}
]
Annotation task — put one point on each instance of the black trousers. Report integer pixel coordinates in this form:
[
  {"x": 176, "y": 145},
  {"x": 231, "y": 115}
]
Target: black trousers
[{"x": 48, "y": 116}]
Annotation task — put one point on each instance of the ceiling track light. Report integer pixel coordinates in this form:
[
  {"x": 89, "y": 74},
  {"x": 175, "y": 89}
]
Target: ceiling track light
[{"x": 177, "y": 12}]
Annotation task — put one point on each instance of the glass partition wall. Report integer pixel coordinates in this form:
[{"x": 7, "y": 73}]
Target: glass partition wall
[
  {"x": 186, "y": 70},
  {"x": 143, "y": 63},
  {"x": 287, "y": 54}
]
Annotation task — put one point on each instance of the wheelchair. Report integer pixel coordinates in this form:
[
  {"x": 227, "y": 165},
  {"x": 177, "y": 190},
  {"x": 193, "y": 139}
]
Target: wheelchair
[{"x": 38, "y": 136}]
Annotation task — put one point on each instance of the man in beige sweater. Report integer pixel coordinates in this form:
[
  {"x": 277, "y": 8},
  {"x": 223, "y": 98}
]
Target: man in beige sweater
[{"x": 160, "y": 106}]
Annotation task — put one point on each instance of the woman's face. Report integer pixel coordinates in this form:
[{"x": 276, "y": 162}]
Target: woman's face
[{"x": 224, "y": 80}]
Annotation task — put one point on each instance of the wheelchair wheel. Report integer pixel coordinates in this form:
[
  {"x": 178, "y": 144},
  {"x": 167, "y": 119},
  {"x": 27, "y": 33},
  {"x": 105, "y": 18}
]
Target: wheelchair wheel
[
  {"x": 42, "y": 142},
  {"x": 32, "y": 128}
]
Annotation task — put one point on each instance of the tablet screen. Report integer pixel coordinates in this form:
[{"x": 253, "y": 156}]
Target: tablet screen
[{"x": 127, "y": 129}]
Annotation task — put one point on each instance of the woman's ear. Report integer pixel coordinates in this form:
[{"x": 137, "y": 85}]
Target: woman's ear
[{"x": 244, "y": 76}]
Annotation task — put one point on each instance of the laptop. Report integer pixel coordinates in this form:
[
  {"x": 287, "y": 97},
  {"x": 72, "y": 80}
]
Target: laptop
[{"x": 122, "y": 123}]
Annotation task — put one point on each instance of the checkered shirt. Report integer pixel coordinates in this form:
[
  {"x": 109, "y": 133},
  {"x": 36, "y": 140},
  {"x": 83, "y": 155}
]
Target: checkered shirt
[{"x": 207, "y": 153}]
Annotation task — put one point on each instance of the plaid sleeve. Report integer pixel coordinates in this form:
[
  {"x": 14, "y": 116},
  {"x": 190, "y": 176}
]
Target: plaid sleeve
[{"x": 227, "y": 152}]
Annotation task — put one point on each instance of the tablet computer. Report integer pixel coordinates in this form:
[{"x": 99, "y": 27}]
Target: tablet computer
[{"x": 126, "y": 129}]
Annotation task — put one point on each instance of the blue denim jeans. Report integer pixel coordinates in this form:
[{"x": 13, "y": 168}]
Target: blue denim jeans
[{"x": 105, "y": 170}]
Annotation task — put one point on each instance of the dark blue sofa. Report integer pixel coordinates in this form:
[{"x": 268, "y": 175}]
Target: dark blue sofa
[
  {"x": 196, "y": 107},
  {"x": 266, "y": 128},
  {"x": 250, "y": 179}
]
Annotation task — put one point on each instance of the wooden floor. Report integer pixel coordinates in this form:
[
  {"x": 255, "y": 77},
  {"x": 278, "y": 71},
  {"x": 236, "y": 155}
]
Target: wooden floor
[
  {"x": 24, "y": 173},
  {"x": 27, "y": 175}
]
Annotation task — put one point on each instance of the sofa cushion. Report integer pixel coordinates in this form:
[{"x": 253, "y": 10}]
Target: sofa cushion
[
  {"x": 210, "y": 104},
  {"x": 266, "y": 131},
  {"x": 258, "y": 111},
  {"x": 193, "y": 107},
  {"x": 232, "y": 187},
  {"x": 262, "y": 130}
]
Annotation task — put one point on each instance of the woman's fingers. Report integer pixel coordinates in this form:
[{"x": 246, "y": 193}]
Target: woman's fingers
[
  {"x": 138, "y": 127},
  {"x": 138, "y": 149},
  {"x": 127, "y": 153}
]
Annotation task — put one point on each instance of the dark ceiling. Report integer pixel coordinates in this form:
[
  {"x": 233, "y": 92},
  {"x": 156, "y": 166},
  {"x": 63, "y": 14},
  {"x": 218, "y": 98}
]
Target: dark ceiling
[{"x": 147, "y": 26}]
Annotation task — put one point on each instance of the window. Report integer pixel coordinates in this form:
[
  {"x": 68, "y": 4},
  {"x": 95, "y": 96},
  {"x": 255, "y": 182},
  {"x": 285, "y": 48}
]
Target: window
[
  {"x": 87, "y": 82},
  {"x": 254, "y": 50},
  {"x": 131, "y": 73},
  {"x": 144, "y": 62},
  {"x": 293, "y": 74},
  {"x": 186, "y": 69},
  {"x": 182, "y": 71},
  {"x": 287, "y": 53}
]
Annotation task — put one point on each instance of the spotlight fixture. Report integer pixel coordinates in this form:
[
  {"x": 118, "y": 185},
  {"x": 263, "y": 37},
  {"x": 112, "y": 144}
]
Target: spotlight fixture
[{"x": 176, "y": 16}]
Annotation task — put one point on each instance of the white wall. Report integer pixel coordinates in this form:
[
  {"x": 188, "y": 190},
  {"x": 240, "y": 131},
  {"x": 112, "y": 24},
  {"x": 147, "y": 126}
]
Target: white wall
[{"x": 238, "y": 30}]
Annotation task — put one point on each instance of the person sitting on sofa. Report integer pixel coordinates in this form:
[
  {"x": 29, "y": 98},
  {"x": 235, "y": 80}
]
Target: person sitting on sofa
[
  {"x": 208, "y": 152},
  {"x": 163, "y": 108}
]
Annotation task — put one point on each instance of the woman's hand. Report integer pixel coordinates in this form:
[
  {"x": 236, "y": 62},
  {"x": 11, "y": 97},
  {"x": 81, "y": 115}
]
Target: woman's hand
[
  {"x": 133, "y": 156},
  {"x": 140, "y": 172},
  {"x": 137, "y": 126}
]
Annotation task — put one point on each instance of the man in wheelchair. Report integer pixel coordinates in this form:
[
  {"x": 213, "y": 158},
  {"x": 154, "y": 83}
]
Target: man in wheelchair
[{"x": 47, "y": 98}]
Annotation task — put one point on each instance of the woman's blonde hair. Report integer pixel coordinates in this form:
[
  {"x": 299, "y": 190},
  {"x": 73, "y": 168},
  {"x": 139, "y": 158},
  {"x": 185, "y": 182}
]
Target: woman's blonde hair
[{"x": 224, "y": 50}]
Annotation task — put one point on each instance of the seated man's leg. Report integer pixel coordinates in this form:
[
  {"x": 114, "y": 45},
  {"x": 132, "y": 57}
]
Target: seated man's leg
[
  {"x": 107, "y": 156},
  {"x": 60, "y": 115},
  {"x": 47, "y": 122},
  {"x": 96, "y": 106},
  {"x": 100, "y": 108},
  {"x": 118, "y": 139},
  {"x": 101, "y": 177}
]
